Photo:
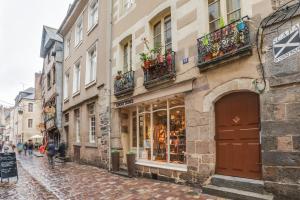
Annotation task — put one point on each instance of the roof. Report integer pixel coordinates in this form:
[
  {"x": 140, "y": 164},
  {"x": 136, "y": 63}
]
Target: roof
[
  {"x": 25, "y": 94},
  {"x": 49, "y": 36},
  {"x": 69, "y": 13}
]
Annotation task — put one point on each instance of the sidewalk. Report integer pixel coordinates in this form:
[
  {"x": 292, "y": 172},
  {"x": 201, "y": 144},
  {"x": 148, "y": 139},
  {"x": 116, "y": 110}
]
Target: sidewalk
[{"x": 74, "y": 181}]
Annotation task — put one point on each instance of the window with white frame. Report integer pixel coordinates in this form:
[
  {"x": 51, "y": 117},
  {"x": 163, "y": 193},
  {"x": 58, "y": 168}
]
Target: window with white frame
[
  {"x": 92, "y": 123},
  {"x": 66, "y": 85},
  {"x": 30, "y": 123},
  {"x": 93, "y": 13},
  {"x": 79, "y": 31},
  {"x": 127, "y": 56},
  {"x": 231, "y": 13},
  {"x": 90, "y": 74},
  {"x": 30, "y": 107},
  {"x": 67, "y": 47},
  {"x": 76, "y": 78},
  {"x": 77, "y": 125},
  {"x": 162, "y": 34}
]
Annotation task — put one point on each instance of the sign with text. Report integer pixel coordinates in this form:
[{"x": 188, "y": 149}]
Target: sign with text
[
  {"x": 124, "y": 103},
  {"x": 8, "y": 165},
  {"x": 286, "y": 44}
]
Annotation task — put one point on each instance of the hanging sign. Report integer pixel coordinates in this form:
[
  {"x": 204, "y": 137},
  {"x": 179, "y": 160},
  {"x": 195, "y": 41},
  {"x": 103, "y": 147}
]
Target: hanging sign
[
  {"x": 8, "y": 165},
  {"x": 286, "y": 44}
]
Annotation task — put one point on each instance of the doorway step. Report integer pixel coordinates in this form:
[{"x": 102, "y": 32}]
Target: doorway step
[
  {"x": 122, "y": 172},
  {"x": 237, "y": 188}
]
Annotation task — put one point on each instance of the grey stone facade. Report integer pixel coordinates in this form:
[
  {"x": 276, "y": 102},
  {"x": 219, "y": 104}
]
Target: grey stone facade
[{"x": 281, "y": 119}]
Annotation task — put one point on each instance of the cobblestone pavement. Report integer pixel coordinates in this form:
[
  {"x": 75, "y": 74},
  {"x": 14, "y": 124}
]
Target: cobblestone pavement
[
  {"x": 25, "y": 188},
  {"x": 74, "y": 181}
]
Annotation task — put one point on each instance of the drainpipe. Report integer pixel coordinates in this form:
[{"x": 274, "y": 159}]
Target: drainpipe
[{"x": 109, "y": 32}]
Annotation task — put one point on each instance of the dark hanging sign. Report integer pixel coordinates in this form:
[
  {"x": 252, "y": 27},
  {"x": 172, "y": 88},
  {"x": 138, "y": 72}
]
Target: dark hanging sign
[
  {"x": 123, "y": 103},
  {"x": 286, "y": 44},
  {"x": 8, "y": 165}
]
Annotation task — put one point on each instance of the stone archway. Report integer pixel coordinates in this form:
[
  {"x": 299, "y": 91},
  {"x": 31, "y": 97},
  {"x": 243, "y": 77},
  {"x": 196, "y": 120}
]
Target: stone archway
[{"x": 209, "y": 100}]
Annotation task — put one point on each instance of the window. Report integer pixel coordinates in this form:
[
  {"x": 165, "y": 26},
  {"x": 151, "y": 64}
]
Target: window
[
  {"x": 162, "y": 34},
  {"x": 66, "y": 117},
  {"x": 30, "y": 107},
  {"x": 49, "y": 80},
  {"x": 127, "y": 4},
  {"x": 216, "y": 14},
  {"x": 92, "y": 123},
  {"x": 79, "y": 31},
  {"x": 54, "y": 74},
  {"x": 233, "y": 10},
  {"x": 76, "y": 78},
  {"x": 90, "y": 74},
  {"x": 127, "y": 57},
  {"x": 66, "y": 85},
  {"x": 67, "y": 47},
  {"x": 30, "y": 122},
  {"x": 93, "y": 13},
  {"x": 77, "y": 125},
  {"x": 161, "y": 131}
]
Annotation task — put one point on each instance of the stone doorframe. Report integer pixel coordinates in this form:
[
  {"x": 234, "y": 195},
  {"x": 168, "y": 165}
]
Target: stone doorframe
[{"x": 209, "y": 100}]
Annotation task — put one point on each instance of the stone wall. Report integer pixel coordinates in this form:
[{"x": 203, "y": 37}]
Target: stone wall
[{"x": 281, "y": 121}]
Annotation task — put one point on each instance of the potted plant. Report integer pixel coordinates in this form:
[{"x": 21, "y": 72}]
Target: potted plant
[
  {"x": 130, "y": 156},
  {"x": 119, "y": 75},
  {"x": 157, "y": 52},
  {"x": 144, "y": 57},
  {"x": 169, "y": 57},
  {"x": 115, "y": 160}
]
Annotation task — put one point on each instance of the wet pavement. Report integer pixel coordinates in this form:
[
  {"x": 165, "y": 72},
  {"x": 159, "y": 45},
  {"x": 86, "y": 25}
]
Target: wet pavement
[{"x": 74, "y": 181}]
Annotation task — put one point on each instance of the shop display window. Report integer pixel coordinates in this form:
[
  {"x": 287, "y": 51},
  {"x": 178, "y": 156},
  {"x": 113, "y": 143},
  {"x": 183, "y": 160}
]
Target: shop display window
[{"x": 160, "y": 131}]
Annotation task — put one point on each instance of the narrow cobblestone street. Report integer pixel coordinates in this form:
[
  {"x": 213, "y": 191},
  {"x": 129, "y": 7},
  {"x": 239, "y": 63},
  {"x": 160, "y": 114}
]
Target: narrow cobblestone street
[{"x": 74, "y": 181}]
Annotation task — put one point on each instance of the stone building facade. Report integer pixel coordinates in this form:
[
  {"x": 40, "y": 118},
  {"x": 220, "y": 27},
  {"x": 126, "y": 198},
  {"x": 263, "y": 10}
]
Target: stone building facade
[
  {"x": 26, "y": 116},
  {"x": 173, "y": 98},
  {"x": 281, "y": 108},
  {"x": 51, "y": 84},
  {"x": 85, "y": 89}
]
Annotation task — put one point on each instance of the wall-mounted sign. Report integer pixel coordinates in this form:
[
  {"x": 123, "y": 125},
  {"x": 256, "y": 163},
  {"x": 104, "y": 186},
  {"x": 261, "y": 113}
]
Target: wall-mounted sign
[
  {"x": 50, "y": 123},
  {"x": 124, "y": 103},
  {"x": 286, "y": 44},
  {"x": 185, "y": 60}
]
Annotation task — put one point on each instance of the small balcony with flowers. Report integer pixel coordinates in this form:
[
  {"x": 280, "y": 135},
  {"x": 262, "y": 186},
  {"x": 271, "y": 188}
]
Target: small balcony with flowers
[
  {"x": 158, "y": 66},
  {"x": 225, "y": 44},
  {"x": 124, "y": 83}
]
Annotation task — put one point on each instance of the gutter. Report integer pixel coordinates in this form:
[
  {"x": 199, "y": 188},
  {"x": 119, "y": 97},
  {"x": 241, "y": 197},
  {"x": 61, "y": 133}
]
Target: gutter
[{"x": 110, "y": 31}]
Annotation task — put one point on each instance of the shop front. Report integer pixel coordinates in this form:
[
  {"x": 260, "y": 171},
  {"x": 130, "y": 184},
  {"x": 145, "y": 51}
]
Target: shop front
[{"x": 155, "y": 131}]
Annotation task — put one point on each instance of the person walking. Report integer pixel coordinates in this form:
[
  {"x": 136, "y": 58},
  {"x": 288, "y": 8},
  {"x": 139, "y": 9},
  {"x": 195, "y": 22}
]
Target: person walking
[
  {"x": 51, "y": 153},
  {"x": 30, "y": 148},
  {"x": 25, "y": 147},
  {"x": 19, "y": 148}
]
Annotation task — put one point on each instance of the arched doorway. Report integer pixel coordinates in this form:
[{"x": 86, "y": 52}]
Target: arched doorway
[{"x": 237, "y": 135}]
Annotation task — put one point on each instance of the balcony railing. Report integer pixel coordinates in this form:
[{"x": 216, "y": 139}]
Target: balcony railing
[
  {"x": 160, "y": 72},
  {"x": 230, "y": 40},
  {"x": 124, "y": 84}
]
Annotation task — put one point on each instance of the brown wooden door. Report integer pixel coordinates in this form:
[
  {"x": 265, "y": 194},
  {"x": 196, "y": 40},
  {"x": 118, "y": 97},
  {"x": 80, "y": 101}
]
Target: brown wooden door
[
  {"x": 237, "y": 135},
  {"x": 76, "y": 153}
]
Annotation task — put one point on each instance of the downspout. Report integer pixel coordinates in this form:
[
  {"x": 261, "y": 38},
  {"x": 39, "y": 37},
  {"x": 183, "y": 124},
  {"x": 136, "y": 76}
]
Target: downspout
[{"x": 109, "y": 21}]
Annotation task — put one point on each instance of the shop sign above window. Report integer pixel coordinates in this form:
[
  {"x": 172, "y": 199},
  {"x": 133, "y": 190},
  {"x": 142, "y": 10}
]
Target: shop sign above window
[{"x": 286, "y": 44}]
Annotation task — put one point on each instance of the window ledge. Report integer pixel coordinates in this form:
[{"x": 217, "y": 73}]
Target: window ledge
[
  {"x": 92, "y": 28},
  {"x": 172, "y": 166},
  {"x": 77, "y": 144},
  {"x": 91, "y": 145},
  {"x": 78, "y": 44},
  {"x": 66, "y": 100},
  {"x": 76, "y": 94},
  {"x": 90, "y": 84}
]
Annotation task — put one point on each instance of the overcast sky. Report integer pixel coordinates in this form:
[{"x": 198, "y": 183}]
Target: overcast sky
[{"x": 21, "y": 23}]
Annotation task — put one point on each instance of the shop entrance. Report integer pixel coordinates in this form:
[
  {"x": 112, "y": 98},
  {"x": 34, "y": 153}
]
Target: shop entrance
[{"x": 237, "y": 135}]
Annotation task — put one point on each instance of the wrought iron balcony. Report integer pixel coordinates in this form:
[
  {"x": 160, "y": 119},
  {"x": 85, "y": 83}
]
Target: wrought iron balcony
[
  {"x": 160, "y": 72},
  {"x": 225, "y": 43},
  {"x": 124, "y": 84}
]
